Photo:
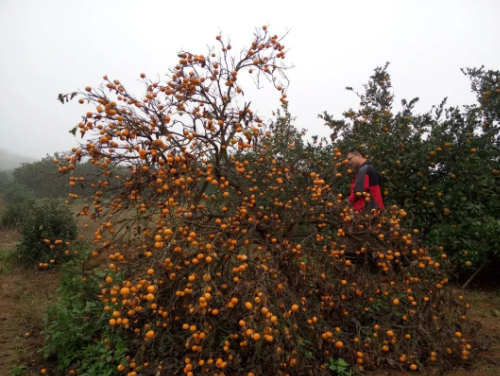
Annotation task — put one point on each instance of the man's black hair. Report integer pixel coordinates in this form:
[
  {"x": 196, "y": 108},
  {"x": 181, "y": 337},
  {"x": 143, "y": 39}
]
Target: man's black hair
[{"x": 355, "y": 151}]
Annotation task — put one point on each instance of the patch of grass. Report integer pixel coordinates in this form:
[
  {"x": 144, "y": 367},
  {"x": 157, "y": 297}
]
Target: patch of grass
[
  {"x": 8, "y": 261},
  {"x": 19, "y": 204},
  {"x": 30, "y": 318},
  {"x": 18, "y": 370},
  {"x": 475, "y": 296}
]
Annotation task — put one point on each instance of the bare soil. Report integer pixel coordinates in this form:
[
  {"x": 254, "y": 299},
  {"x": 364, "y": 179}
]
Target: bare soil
[{"x": 24, "y": 296}]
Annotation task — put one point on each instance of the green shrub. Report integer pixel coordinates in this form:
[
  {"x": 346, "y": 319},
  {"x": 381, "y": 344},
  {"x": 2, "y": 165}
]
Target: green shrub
[
  {"x": 475, "y": 241},
  {"x": 76, "y": 332},
  {"x": 18, "y": 203},
  {"x": 47, "y": 233}
]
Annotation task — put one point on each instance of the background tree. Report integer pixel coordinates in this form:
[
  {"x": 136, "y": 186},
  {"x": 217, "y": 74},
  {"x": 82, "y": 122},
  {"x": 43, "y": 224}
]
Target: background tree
[
  {"x": 441, "y": 166},
  {"x": 42, "y": 177},
  {"x": 5, "y": 179}
]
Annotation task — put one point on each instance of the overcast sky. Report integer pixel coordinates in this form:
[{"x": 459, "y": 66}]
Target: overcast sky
[{"x": 49, "y": 47}]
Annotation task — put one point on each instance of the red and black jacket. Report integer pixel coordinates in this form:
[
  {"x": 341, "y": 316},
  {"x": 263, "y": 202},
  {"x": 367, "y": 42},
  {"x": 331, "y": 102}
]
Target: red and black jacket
[{"x": 366, "y": 180}]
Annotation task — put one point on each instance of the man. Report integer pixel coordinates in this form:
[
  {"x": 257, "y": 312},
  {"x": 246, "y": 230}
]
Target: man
[{"x": 365, "y": 185}]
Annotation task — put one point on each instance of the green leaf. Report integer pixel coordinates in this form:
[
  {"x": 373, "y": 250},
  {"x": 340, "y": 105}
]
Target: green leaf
[{"x": 342, "y": 362}]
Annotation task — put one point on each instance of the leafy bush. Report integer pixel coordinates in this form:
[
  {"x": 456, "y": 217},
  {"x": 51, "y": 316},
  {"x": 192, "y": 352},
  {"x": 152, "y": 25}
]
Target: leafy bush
[
  {"x": 76, "y": 332},
  {"x": 46, "y": 234},
  {"x": 18, "y": 203}
]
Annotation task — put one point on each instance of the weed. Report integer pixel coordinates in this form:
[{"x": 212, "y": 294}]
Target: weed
[
  {"x": 17, "y": 370},
  {"x": 92, "y": 348},
  {"x": 339, "y": 366}
]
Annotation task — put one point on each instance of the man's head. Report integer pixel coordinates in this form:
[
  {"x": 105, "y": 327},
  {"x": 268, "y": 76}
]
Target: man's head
[{"x": 355, "y": 158}]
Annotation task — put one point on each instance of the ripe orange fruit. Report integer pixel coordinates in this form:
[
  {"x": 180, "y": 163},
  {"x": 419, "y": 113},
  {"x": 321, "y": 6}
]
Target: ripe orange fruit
[
  {"x": 150, "y": 334},
  {"x": 295, "y": 308},
  {"x": 413, "y": 367}
]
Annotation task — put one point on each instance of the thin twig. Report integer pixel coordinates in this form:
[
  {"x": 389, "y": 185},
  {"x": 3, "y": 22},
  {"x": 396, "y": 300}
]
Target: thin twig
[{"x": 473, "y": 275}]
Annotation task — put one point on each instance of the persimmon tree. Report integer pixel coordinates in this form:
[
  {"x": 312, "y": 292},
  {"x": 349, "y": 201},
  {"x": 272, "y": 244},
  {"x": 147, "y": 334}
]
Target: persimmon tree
[{"x": 230, "y": 249}]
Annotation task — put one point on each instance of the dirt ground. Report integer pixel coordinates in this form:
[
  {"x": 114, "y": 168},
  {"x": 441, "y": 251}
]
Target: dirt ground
[{"x": 25, "y": 294}]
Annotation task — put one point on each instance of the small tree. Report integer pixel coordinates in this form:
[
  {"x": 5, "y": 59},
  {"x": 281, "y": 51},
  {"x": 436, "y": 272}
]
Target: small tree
[{"x": 46, "y": 234}]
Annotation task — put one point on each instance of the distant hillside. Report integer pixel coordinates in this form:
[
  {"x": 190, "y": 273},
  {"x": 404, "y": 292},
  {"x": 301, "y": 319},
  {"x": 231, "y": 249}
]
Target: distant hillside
[{"x": 9, "y": 161}]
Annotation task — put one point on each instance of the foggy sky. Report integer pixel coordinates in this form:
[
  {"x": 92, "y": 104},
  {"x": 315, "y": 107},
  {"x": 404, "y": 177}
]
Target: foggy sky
[{"x": 50, "y": 47}]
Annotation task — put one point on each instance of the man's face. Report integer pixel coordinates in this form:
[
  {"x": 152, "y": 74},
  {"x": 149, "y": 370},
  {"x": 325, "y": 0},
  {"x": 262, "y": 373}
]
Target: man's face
[{"x": 354, "y": 160}]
